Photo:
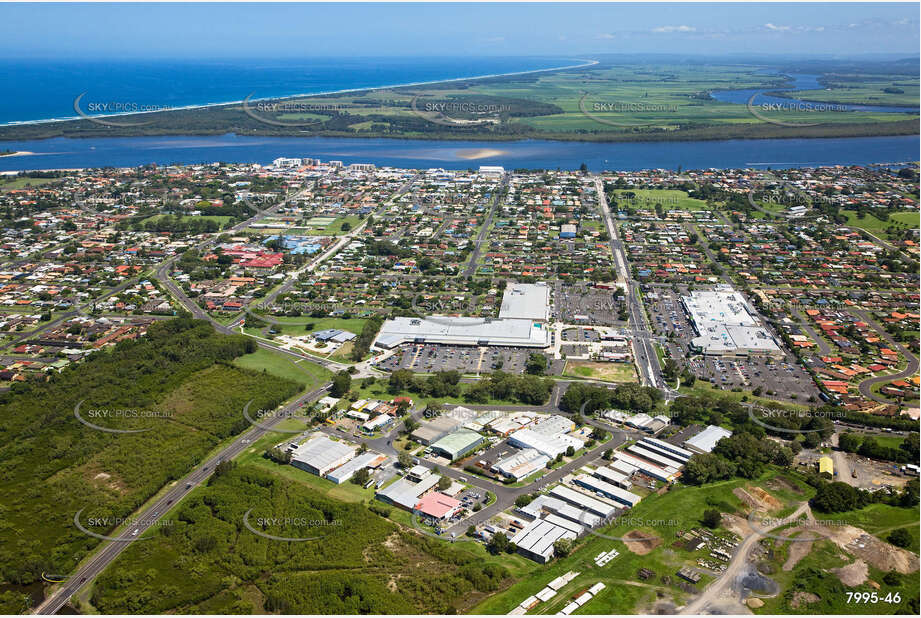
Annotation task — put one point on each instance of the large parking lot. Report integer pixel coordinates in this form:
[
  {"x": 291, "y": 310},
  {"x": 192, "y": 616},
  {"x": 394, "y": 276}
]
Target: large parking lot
[
  {"x": 776, "y": 378},
  {"x": 581, "y": 334},
  {"x": 429, "y": 358},
  {"x": 667, "y": 314},
  {"x": 581, "y": 303}
]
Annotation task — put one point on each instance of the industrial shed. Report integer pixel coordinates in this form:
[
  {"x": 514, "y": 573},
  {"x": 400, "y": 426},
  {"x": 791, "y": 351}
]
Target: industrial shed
[
  {"x": 321, "y": 455},
  {"x": 613, "y": 492},
  {"x": 535, "y": 540},
  {"x": 706, "y": 440},
  {"x": 345, "y": 472},
  {"x": 458, "y": 444}
]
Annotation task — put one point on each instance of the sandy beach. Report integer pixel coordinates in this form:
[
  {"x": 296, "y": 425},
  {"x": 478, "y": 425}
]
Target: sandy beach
[
  {"x": 288, "y": 97},
  {"x": 480, "y": 153}
]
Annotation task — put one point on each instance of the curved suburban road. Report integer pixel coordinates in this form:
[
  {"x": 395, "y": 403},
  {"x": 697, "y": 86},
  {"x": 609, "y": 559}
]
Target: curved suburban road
[{"x": 909, "y": 371}]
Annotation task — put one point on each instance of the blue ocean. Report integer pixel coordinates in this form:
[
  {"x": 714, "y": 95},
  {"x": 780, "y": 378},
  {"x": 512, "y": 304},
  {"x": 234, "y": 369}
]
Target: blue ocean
[{"x": 43, "y": 89}]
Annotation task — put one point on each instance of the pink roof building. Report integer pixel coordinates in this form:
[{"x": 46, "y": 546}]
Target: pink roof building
[{"x": 437, "y": 505}]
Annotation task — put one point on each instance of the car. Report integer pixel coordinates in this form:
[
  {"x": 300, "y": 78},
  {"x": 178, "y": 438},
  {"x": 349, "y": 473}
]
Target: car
[{"x": 136, "y": 531}]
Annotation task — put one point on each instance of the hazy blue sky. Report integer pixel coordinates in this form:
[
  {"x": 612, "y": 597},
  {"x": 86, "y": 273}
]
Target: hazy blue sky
[{"x": 196, "y": 31}]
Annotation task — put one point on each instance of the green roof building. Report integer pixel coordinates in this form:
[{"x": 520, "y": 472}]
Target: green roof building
[{"x": 458, "y": 444}]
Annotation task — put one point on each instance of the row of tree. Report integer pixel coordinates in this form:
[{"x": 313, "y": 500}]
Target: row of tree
[
  {"x": 868, "y": 446},
  {"x": 527, "y": 389},
  {"x": 631, "y": 397}
]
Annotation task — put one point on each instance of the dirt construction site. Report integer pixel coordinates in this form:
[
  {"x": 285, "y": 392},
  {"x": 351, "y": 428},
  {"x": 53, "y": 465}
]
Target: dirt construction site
[{"x": 742, "y": 584}]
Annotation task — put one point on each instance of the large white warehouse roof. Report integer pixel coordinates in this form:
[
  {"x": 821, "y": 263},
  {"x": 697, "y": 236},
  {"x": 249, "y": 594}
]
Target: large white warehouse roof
[{"x": 463, "y": 331}]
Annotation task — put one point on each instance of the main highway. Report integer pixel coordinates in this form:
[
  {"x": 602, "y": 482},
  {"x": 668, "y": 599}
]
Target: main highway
[
  {"x": 484, "y": 231},
  {"x": 148, "y": 517},
  {"x": 647, "y": 361}
]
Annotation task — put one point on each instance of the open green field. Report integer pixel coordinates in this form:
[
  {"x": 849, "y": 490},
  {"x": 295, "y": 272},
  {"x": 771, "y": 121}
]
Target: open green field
[
  {"x": 335, "y": 228},
  {"x": 771, "y": 207},
  {"x": 878, "y": 227},
  {"x": 669, "y": 199},
  {"x": 867, "y": 90},
  {"x": 298, "y": 325},
  {"x": 11, "y": 183},
  {"x": 889, "y": 440},
  {"x": 219, "y": 219},
  {"x": 322, "y": 226},
  {"x": 610, "y": 372},
  {"x": 309, "y": 375}
]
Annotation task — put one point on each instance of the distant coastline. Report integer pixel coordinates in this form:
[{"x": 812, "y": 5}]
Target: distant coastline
[
  {"x": 203, "y": 106},
  {"x": 361, "y": 113}
]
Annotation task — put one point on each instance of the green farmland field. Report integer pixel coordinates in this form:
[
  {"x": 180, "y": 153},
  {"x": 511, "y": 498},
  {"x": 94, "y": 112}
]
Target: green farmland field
[{"x": 607, "y": 101}]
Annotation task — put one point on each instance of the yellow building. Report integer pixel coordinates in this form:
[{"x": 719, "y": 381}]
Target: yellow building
[{"x": 826, "y": 465}]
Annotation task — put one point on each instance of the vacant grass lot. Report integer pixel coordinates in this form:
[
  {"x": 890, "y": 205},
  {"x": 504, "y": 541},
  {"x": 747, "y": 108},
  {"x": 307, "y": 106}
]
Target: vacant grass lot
[
  {"x": 706, "y": 389},
  {"x": 308, "y": 375},
  {"x": 10, "y": 183},
  {"x": 298, "y": 326},
  {"x": 219, "y": 219},
  {"x": 877, "y": 227},
  {"x": 648, "y": 198},
  {"x": 610, "y": 372}
]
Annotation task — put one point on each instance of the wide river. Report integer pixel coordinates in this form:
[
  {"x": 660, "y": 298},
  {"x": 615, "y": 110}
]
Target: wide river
[
  {"x": 61, "y": 153},
  {"x": 532, "y": 154}
]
